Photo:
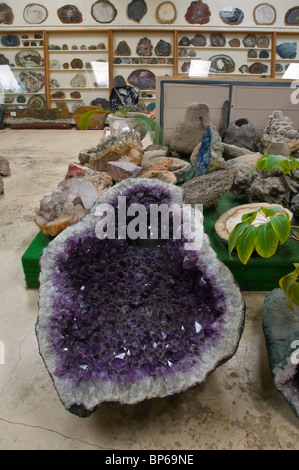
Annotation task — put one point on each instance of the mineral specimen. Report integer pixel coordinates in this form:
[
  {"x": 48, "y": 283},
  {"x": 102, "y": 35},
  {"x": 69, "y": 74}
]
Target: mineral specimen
[
  {"x": 29, "y": 58},
  {"x": 35, "y": 13},
  {"x": 122, "y": 170},
  {"x": 222, "y": 63},
  {"x": 207, "y": 189},
  {"x": 231, "y": 15},
  {"x": 10, "y": 40},
  {"x": 6, "y": 14},
  {"x": 189, "y": 131},
  {"x": 143, "y": 79},
  {"x": 199, "y": 40},
  {"x": 166, "y": 13},
  {"x": 258, "y": 68},
  {"x": 249, "y": 40},
  {"x": 69, "y": 14},
  {"x": 264, "y": 14},
  {"x": 4, "y": 166},
  {"x": 292, "y": 16},
  {"x": 136, "y": 10},
  {"x": 279, "y": 128},
  {"x": 32, "y": 81},
  {"x": 103, "y": 11},
  {"x": 241, "y": 133},
  {"x": 207, "y": 155},
  {"x": 281, "y": 330},
  {"x": 123, "y": 49},
  {"x": 198, "y": 13},
  {"x": 217, "y": 40},
  {"x": 71, "y": 200},
  {"x": 287, "y": 50},
  {"x": 163, "y": 48},
  {"x": 125, "y": 148},
  {"x": 124, "y": 320},
  {"x": 144, "y": 47}
]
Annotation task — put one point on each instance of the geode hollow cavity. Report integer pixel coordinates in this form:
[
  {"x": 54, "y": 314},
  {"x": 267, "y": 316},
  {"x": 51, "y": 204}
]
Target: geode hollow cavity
[{"x": 124, "y": 320}]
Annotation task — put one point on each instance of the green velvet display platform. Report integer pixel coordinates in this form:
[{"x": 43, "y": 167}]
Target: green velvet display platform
[{"x": 259, "y": 274}]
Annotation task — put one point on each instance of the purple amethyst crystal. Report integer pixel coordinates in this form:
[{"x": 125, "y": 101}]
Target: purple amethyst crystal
[{"x": 124, "y": 320}]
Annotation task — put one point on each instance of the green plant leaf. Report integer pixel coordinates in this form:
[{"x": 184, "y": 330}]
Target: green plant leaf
[
  {"x": 290, "y": 286},
  {"x": 85, "y": 118},
  {"x": 245, "y": 244},
  {"x": 153, "y": 127},
  {"x": 235, "y": 234},
  {"x": 269, "y": 162},
  {"x": 250, "y": 217},
  {"x": 266, "y": 240},
  {"x": 268, "y": 211},
  {"x": 281, "y": 226}
]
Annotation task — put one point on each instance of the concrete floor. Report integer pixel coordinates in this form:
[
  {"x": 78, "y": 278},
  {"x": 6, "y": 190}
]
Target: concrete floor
[{"x": 237, "y": 408}]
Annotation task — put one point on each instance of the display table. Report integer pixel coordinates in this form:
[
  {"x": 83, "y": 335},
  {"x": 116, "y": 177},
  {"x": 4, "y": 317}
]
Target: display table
[{"x": 259, "y": 274}]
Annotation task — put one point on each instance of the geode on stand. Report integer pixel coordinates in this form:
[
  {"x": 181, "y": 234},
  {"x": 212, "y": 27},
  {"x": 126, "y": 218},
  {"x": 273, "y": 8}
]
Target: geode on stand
[{"x": 127, "y": 319}]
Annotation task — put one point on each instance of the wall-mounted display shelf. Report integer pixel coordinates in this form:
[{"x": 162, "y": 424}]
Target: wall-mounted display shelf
[
  {"x": 72, "y": 68},
  {"x": 22, "y": 64}
]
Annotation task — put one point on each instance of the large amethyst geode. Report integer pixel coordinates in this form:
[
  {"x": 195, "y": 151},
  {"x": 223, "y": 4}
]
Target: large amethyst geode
[{"x": 124, "y": 320}]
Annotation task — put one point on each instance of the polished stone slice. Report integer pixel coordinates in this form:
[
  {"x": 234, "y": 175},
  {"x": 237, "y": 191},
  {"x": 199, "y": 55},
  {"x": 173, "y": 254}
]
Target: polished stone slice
[
  {"x": 75, "y": 95},
  {"x": 29, "y": 58},
  {"x": 78, "y": 81},
  {"x": 263, "y": 42},
  {"x": 258, "y": 68},
  {"x": 3, "y": 60},
  {"x": 69, "y": 14},
  {"x": 143, "y": 79},
  {"x": 231, "y": 15},
  {"x": 32, "y": 81},
  {"x": 37, "y": 102},
  {"x": 103, "y": 11},
  {"x": 249, "y": 40},
  {"x": 222, "y": 63},
  {"x": 163, "y": 48},
  {"x": 10, "y": 40},
  {"x": 198, "y": 13},
  {"x": 166, "y": 13},
  {"x": 287, "y": 50},
  {"x": 144, "y": 47},
  {"x": 123, "y": 49},
  {"x": 184, "y": 41},
  {"x": 235, "y": 42},
  {"x": 264, "y": 55},
  {"x": 58, "y": 95},
  {"x": 199, "y": 40},
  {"x": 292, "y": 16},
  {"x": 77, "y": 64},
  {"x": 6, "y": 14},
  {"x": 217, "y": 40},
  {"x": 252, "y": 54},
  {"x": 264, "y": 14},
  {"x": 35, "y": 13},
  {"x": 136, "y": 10}
]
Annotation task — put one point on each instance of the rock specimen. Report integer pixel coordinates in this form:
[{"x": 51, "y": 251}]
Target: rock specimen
[
  {"x": 35, "y": 13},
  {"x": 231, "y": 15},
  {"x": 207, "y": 189},
  {"x": 69, "y": 14},
  {"x": 222, "y": 63},
  {"x": 287, "y": 50},
  {"x": 10, "y": 40},
  {"x": 103, "y": 11},
  {"x": 71, "y": 200},
  {"x": 143, "y": 79},
  {"x": 264, "y": 14},
  {"x": 207, "y": 155},
  {"x": 4, "y": 166},
  {"x": 279, "y": 128},
  {"x": 292, "y": 16},
  {"x": 122, "y": 170},
  {"x": 126, "y": 148},
  {"x": 281, "y": 330},
  {"x": 136, "y": 10},
  {"x": 189, "y": 131},
  {"x": 198, "y": 40},
  {"x": 217, "y": 40},
  {"x": 77, "y": 63},
  {"x": 32, "y": 81},
  {"x": 29, "y": 58},
  {"x": 104, "y": 327},
  {"x": 235, "y": 42},
  {"x": 166, "y": 13},
  {"x": 6, "y": 14},
  {"x": 258, "y": 68},
  {"x": 198, "y": 13},
  {"x": 123, "y": 49},
  {"x": 144, "y": 47},
  {"x": 179, "y": 167},
  {"x": 1, "y": 185},
  {"x": 163, "y": 48},
  {"x": 249, "y": 40},
  {"x": 3, "y": 60},
  {"x": 241, "y": 133},
  {"x": 263, "y": 41},
  {"x": 78, "y": 81}
]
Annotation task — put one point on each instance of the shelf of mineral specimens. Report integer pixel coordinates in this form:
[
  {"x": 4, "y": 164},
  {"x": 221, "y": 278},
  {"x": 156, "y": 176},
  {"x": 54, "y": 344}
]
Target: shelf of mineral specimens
[
  {"x": 78, "y": 70},
  {"x": 243, "y": 53},
  {"x": 22, "y": 67},
  {"x": 140, "y": 58}
]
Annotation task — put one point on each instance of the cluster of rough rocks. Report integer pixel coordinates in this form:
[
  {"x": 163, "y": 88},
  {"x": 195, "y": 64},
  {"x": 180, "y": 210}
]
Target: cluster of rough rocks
[
  {"x": 234, "y": 151},
  {"x": 237, "y": 150},
  {"x": 115, "y": 159},
  {"x": 4, "y": 171}
]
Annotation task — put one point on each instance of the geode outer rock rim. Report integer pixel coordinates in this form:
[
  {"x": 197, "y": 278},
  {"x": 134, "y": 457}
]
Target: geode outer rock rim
[{"x": 85, "y": 398}]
